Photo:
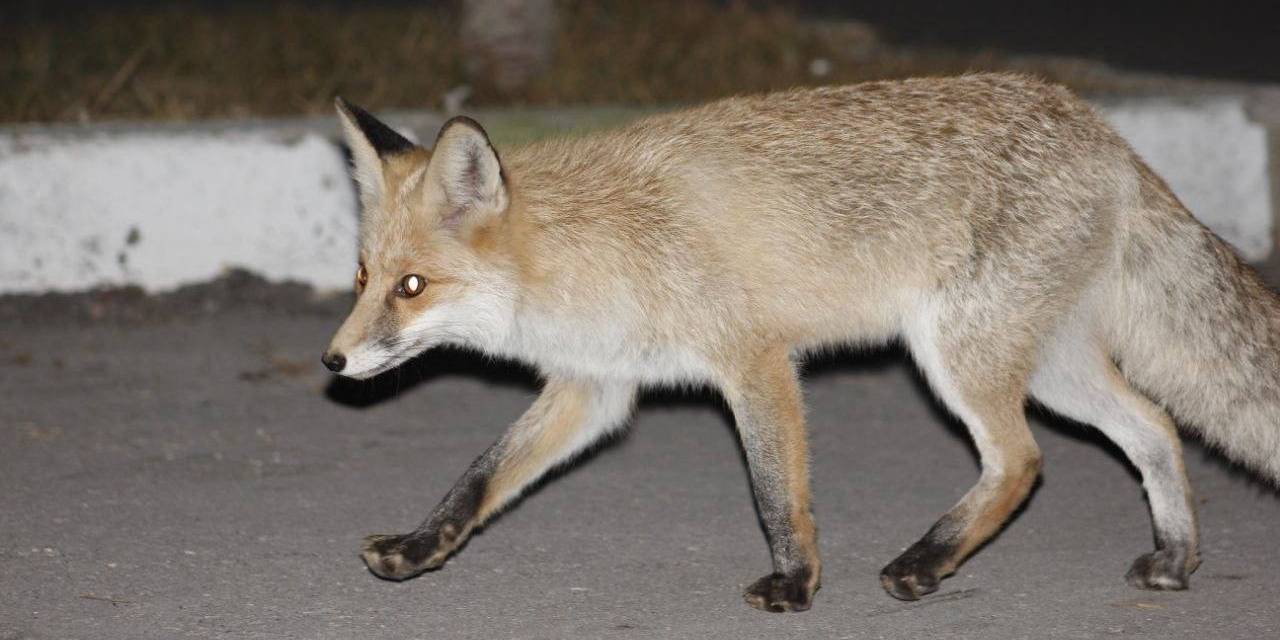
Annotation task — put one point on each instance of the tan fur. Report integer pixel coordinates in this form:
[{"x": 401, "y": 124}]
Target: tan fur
[
  {"x": 535, "y": 449},
  {"x": 994, "y": 223},
  {"x": 771, "y": 383},
  {"x": 1197, "y": 329},
  {"x": 1158, "y": 417}
]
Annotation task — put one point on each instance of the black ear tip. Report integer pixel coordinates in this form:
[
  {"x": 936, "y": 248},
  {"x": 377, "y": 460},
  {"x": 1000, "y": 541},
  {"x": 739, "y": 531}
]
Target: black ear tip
[
  {"x": 383, "y": 138},
  {"x": 350, "y": 110}
]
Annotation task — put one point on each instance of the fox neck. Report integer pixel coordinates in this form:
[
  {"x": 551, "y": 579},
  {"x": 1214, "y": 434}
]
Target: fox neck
[{"x": 514, "y": 317}]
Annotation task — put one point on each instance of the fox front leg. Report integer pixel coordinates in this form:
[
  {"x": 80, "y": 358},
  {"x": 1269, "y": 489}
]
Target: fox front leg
[
  {"x": 766, "y": 404},
  {"x": 566, "y": 418}
]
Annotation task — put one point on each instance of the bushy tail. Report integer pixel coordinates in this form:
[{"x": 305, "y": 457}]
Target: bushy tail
[{"x": 1197, "y": 330}]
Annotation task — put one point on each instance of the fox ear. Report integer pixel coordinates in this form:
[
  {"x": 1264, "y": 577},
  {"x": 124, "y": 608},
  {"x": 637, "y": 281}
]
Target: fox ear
[
  {"x": 370, "y": 140},
  {"x": 467, "y": 173}
]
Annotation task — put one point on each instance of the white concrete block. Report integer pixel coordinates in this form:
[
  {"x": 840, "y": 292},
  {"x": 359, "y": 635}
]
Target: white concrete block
[{"x": 165, "y": 209}]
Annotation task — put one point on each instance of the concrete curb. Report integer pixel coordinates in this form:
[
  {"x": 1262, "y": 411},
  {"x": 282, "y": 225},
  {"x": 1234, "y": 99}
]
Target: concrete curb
[{"x": 160, "y": 206}]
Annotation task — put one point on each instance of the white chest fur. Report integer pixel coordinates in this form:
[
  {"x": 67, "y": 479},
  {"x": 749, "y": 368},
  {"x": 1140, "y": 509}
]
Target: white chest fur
[{"x": 602, "y": 348}]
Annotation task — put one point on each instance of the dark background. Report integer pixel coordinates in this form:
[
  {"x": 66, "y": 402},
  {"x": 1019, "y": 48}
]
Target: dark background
[
  {"x": 1226, "y": 39},
  {"x": 1218, "y": 39}
]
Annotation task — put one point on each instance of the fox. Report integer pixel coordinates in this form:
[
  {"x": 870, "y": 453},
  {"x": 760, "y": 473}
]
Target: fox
[{"x": 993, "y": 224}]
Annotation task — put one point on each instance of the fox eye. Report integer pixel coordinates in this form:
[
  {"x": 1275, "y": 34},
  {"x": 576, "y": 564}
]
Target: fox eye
[
  {"x": 411, "y": 285},
  {"x": 362, "y": 276}
]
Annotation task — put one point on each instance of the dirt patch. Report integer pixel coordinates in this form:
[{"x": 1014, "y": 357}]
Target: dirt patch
[{"x": 236, "y": 290}]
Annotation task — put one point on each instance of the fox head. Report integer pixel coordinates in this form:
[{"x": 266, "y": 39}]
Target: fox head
[{"x": 429, "y": 272}]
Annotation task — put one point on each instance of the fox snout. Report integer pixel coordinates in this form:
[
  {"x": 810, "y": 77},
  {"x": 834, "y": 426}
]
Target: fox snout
[
  {"x": 344, "y": 354},
  {"x": 334, "y": 361},
  {"x": 350, "y": 354},
  {"x": 360, "y": 347},
  {"x": 363, "y": 347},
  {"x": 359, "y": 359}
]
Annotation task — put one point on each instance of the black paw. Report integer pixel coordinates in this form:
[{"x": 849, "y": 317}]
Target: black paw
[
  {"x": 1161, "y": 570},
  {"x": 778, "y": 593},
  {"x": 908, "y": 579},
  {"x": 922, "y": 566},
  {"x": 401, "y": 557}
]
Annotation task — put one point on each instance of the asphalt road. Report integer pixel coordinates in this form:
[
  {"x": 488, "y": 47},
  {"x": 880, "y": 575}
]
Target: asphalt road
[{"x": 200, "y": 476}]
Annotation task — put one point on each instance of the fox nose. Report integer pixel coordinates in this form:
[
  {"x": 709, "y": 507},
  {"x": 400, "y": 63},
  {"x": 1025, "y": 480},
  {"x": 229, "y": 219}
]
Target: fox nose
[{"x": 334, "y": 361}]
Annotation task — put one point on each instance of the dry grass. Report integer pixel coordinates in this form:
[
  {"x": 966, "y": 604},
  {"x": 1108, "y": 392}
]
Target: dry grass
[
  {"x": 181, "y": 63},
  {"x": 175, "y": 64}
]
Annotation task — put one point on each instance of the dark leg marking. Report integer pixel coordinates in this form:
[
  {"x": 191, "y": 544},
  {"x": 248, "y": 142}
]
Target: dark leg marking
[
  {"x": 1168, "y": 568},
  {"x": 918, "y": 570},
  {"x": 778, "y": 593},
  {"x": 400, "y": 557},
  {"x": 771, "y": 426}
]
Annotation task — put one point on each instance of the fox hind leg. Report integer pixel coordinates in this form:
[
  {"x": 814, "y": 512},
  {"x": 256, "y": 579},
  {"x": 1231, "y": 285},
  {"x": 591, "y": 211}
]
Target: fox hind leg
[
  {"x": 1077, "y": 379},
  {"x": 980, "y": 374}
]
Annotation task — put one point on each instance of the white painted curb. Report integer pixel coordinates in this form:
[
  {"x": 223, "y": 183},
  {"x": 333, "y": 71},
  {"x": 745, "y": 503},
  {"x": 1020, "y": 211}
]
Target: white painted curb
[
  {"x": 162, "y": 209},
  {"x": 165, "y": 206}
]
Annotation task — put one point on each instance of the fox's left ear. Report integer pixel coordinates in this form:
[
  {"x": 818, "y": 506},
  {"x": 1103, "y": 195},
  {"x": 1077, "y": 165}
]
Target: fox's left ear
[
  {"x": 370, "y": 141},
  {"x": 466, "y": 173}
]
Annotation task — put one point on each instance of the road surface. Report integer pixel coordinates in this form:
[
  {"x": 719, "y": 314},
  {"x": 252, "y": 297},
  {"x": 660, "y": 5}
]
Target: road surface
[{"x": 185, "y": 468}]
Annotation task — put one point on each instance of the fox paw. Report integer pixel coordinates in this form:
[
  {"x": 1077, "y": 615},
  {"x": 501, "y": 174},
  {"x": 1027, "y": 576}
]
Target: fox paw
[
  {"x": 908, "y": 580},
  {"x": 1160, "y": 570},
  {"x": 400, "y": 557},
  {"x": 778, "y": 593}
]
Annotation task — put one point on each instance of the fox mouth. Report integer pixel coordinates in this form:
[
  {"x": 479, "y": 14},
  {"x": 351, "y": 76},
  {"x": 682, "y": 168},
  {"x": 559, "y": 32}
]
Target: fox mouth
[
  {"x": 384, "y": 366},
  {"x": 390, "y": 353}
]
